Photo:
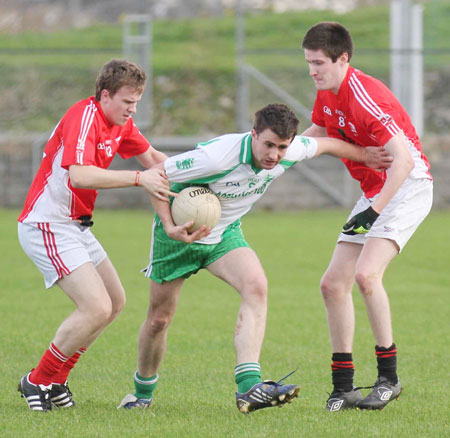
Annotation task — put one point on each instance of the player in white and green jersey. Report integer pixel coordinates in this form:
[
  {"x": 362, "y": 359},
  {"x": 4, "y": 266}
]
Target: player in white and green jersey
[
  {"x": 226, "y": 164},
  {"x": 238, "y": 168}
]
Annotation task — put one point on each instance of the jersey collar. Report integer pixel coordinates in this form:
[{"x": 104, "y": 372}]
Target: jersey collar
[
  {"x": 343, "y": 89},
  {"x": 246, "y": 156},
  {"x": 100, "y": 111}
]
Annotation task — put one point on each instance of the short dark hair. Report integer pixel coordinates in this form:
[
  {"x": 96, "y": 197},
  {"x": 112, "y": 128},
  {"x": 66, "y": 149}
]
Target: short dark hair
[
  {"x": 330, "y": 37},
  {"x": 278, "y": 118},
  {"x": 118, "y": 73}
]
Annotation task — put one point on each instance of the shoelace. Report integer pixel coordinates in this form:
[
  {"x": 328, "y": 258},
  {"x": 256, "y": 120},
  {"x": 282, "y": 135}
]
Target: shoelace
[
  {"x": 281, "y": 381},
  {"x": 370, "y": 387},
  {"x": 356, "y": 388},
  {"x": 45, "y": 399},
  {"x": 363, "y": 387}
]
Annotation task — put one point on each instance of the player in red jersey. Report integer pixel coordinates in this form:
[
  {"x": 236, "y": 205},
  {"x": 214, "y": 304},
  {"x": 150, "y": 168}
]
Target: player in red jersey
[
  {"x": 54, "y": 226},
  {"x": 360, "y": 109}
]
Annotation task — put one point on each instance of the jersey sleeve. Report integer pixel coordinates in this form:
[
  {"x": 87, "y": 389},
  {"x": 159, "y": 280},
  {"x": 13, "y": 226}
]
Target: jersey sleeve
[
  {"x": 202, "y": 165},
  {"x": 134, "y": 143},
  {"x": 375, "y": 108},
  {"x": 301, "y": 148},
  {"x": 78, "y": 132}
]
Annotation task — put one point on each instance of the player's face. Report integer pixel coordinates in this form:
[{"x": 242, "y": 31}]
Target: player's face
[
  {"x": 268, "y": 149},
  {"x": 327, "y": 75},
  {"x": 120, "y": 107}
]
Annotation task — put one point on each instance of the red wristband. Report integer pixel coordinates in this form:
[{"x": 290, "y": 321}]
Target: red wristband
[{"x": 136, "y": 181}]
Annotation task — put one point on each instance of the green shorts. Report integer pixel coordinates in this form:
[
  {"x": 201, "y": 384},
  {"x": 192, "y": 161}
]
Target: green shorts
[{"x": 171, "y": 259}]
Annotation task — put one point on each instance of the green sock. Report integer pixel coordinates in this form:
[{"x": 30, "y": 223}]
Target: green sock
[
  {"x": 144, "y": 386},
  {"x": 246, "y": 375}
]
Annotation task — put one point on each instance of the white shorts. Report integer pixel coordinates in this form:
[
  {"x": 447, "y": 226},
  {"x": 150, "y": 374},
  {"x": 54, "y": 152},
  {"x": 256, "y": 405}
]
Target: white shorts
[
  {"x": 401, "y": 217},
  {"x": 58, "y": 249}
]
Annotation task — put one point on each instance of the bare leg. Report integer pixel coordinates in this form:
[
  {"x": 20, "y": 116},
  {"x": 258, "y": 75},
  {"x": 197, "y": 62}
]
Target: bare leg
[
  {"x": 152, "y": 342},
  {"x": 373, "y": 261},
  {"x": 115, "y": 291},
  {"x": 242, "y": 269},
  {"x": 86, "y": 289},
  {"x": 336, "y": 286}
]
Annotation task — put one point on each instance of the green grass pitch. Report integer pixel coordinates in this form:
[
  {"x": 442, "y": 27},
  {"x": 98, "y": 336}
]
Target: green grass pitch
[{"x": 195, "y": 397}]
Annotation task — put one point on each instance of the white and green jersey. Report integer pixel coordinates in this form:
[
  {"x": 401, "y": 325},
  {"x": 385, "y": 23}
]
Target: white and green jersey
[{"x": 226, "y": 165}]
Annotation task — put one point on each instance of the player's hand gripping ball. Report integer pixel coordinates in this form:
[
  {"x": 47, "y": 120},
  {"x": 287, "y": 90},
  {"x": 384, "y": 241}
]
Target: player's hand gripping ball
[{"x": 198, "y": 204}]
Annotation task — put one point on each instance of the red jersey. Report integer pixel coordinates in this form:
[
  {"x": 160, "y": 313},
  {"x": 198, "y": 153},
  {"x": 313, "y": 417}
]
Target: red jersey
[
  {"x": 83, "y": 136},
  {"x": 366, "y": 113}
]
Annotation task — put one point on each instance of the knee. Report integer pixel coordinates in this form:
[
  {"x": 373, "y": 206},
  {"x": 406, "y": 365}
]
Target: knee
[
  {"x": 158, "y": 323},
  {"x": 256, "y": 290},
  {"x": 335, "y": 287},
  {"x": 366, "y": 281},
  {"x": 100, "y": 312},
  {"x": 117, "y": 306},
  {"x": 327, "y": 287}
]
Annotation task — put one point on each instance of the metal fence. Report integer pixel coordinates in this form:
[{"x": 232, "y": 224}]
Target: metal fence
[{"x": 35, "y": 89}]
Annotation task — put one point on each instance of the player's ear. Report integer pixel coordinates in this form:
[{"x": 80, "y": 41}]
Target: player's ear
[
  {"x": 344, "y": 58},
  {"x": 104, "y": 94}
]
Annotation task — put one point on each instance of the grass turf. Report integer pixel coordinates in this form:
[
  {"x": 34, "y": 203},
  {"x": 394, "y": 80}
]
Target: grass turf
[{"x": 195, "y": 396}]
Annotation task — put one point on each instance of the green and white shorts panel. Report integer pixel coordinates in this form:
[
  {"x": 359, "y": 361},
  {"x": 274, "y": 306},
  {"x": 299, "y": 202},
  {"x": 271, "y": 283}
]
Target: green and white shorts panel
[{"x": 171, "y": 259}]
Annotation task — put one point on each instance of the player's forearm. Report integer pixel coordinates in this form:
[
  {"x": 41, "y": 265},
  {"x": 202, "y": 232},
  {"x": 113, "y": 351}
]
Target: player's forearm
[
  {"x": 375, "y": 157},
  {"x": 92, "y": 177},
  {"x": 162, "y": 209},
  {"x": 396, "y": 176},
  {"x": 315, "y": 131},
  {"x": 401, "y": 167},
  {"x": 151, "y": 158},
  {"x": 340, "y": 149}
]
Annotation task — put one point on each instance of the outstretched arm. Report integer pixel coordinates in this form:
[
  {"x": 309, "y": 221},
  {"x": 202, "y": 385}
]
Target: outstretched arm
[
  {"x": 315, "y": 131},
  {"x": 151, "y": 157},
  {"x": 375, "y": 157},
  {"x": 153, "y": 180}
]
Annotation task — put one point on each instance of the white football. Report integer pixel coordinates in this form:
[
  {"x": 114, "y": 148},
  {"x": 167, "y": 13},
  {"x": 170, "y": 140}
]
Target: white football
[{"x": 198, "y": 204}]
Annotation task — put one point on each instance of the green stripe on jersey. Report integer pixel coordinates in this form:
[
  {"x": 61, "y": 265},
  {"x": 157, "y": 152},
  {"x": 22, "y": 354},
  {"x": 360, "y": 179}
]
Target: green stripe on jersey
[
  {"x": 206, "y": 143},
  {"x": 246, "y": 150},
  {"x": 287, "y": 163}
]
